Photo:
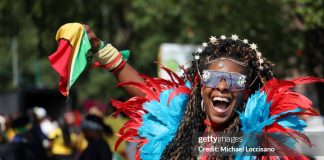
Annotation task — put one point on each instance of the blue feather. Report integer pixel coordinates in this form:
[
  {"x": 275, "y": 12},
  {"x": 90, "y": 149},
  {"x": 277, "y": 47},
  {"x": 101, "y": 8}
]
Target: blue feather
[
  {"x": 292, "y": 122},
  {"x": 253, "y": 120},
  {"x": 161, "y": 122},
  {"x": 257, "y": 115}
]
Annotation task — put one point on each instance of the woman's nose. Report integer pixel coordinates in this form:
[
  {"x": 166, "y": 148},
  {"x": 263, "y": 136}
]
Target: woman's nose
[{"x": 222, "y": 86}]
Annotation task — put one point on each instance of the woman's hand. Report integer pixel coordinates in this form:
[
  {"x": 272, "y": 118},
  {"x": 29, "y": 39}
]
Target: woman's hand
[
  {"x": 94, "y": 40},
  {"x": 126, "y": 74}
]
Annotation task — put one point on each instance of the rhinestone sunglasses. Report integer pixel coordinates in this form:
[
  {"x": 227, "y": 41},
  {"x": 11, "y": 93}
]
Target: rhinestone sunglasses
[{"x": 234, "y": 81}]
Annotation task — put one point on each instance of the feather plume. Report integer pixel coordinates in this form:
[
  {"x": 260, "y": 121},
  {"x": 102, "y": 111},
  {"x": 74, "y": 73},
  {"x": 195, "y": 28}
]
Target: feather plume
[
  {"x": 155, "y": 118},
  {"x": 274, "y": 110}
]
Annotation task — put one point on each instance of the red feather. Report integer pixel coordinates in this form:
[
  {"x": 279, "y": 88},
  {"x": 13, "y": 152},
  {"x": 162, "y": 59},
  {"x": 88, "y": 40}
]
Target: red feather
[
  {"x": 310, "y": 112},
  {"x": 152, "y": 83},
  {"x": 275, "y": 127},
  {"x": 133, "y": 107},
  {"x": 186, "y": 75},
  {"x": 164, "y": 84},
  {"x": 173, "y": 75},
  {"x": 308, "y": 79},
  {"x": 179, "y": 90},
  {"x": 283, "y": 99},
  {"x": 281, "y": 151},
  {"x": 125, "y": 135},
  {"x": 129, "y": 125},
  {"x": 142, "y": 87},
  {"x": 137, "y": 156}
]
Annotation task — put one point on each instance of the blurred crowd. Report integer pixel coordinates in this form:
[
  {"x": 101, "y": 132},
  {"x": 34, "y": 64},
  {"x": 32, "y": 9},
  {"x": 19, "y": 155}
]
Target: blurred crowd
[{"x": 89, "y": 134}]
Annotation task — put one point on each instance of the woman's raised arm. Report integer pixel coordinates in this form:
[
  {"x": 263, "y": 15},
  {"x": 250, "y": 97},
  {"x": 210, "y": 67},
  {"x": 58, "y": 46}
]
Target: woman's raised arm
[{"x": 109, "y": 59}]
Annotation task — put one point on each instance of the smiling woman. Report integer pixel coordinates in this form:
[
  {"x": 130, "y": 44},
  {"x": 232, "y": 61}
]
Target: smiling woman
[
  {"x": 221, "y": 98},
  {"x": 230, "y": 69},
  {"x": 229, "y": 88},
  {"x": 171, "y": 114}
]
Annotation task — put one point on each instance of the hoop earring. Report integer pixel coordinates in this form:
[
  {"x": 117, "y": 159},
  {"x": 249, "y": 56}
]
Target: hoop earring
[{"x": 202, "y": 106}]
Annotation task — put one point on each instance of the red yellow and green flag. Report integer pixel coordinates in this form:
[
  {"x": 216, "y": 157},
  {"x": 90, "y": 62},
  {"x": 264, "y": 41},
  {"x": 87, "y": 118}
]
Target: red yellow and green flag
[{"x": 69, "y": 60}]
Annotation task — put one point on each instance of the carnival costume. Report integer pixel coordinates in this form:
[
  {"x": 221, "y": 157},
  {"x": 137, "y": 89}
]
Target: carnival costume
[{"x": 274, "y": 108}]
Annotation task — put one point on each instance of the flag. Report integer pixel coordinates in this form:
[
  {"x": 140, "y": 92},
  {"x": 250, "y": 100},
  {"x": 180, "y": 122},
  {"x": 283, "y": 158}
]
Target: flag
[{"x": 69, "y": 60}]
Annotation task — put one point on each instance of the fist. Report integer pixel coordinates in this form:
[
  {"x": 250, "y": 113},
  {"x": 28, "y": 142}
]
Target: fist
[{"x": 94, "y": 40}]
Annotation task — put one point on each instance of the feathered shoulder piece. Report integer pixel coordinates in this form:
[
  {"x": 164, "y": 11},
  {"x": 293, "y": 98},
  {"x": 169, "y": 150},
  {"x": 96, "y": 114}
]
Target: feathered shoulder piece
[
  {"x": 154, "y": 119},
  {"x": 276, "y": 109}
]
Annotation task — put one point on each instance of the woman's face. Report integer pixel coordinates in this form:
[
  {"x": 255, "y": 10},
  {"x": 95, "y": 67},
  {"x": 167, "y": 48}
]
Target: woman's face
[{"x": 220, "y": 101}]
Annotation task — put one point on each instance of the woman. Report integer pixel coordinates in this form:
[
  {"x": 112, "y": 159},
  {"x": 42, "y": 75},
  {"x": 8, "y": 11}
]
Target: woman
[{"x": 223, "y": 74}]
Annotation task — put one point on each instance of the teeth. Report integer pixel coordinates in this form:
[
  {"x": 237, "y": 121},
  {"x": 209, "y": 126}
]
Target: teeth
[{"x": 221, "y": 99}]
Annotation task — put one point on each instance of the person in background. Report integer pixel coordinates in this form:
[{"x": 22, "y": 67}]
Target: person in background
[
  {"x": 62, "y": 141},
  {"x": 3, "y": 136},
  {"x": 21, "y": 147},
  {"x": 46, "y": 124},
  {"x": 94, "y": 129}
]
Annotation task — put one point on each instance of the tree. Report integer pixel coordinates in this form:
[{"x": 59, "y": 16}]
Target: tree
[
  {"x": 308, "y": 19},
  {"x": 141, "y": 26}
]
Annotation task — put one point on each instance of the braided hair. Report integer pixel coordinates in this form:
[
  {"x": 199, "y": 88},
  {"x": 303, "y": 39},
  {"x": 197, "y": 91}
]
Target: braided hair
[{"x": 183, "y": 144}]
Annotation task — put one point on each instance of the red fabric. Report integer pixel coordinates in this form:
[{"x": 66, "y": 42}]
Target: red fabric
[{"x": 60, "y": 61}]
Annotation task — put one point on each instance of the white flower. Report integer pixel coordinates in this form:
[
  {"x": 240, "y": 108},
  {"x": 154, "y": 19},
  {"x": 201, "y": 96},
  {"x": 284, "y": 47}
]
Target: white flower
[
  {"x": 253, "y": 46},
  {"x": 223, "y": 37},
  {"x": 199, "y": 50},
  {"x": 206, "y": 75},
  {"x": 204, "y": 44},
  {"x": 197, "y": 57},
  {"x": 234, "y": 37},
  {"x": 245, "y": 41},
  {"x": 260, "y": 68},
  {"x": 241, "y": 80},
  {"x": 259, "y": 54},
  {"x": 213, "y": 39},
  {"x": 260, "y": 60}
]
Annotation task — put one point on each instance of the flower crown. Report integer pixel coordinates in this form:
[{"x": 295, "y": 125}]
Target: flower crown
[{"x": 213, "y": 40}]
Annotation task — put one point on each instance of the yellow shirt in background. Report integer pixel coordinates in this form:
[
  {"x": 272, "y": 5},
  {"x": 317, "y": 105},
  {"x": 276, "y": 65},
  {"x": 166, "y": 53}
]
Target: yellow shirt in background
[
  {"x": 115, "y": 124},
  {"x": 58, "y": 146}
]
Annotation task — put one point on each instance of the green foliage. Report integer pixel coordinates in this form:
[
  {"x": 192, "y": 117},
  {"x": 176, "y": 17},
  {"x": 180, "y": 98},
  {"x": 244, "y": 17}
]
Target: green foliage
[
  {"x": 141, "y": 26},
  {"x": 309, "y": 12}
]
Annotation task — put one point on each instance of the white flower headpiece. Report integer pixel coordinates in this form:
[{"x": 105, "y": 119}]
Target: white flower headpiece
[{"x": 213, "y": 40}]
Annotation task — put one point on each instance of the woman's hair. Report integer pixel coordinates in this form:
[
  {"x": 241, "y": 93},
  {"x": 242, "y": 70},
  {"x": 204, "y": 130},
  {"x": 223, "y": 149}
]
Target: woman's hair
[{"x": 183, "y": 144}]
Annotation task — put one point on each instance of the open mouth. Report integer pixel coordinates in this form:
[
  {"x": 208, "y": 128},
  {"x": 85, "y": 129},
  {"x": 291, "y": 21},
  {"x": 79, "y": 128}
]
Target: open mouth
[{"x": 221, "y": 104}]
